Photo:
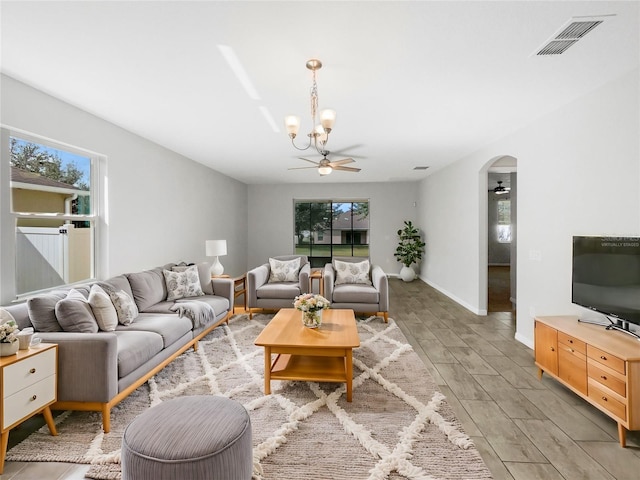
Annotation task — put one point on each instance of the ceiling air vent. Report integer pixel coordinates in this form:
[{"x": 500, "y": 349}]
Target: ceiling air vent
[
  {"x": 420, "y": 168},
  {"x": 572, "y": 31}
]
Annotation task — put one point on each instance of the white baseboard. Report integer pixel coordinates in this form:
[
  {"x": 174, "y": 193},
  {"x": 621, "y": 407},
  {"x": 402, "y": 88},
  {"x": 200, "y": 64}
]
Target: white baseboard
[
  {"x": 524, "y": 340},
  {"x": 471, "y": 308}
]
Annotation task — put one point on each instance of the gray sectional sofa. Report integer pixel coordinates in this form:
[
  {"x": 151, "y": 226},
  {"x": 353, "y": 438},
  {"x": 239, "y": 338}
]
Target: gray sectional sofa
[{"x": 98, "y": 369}]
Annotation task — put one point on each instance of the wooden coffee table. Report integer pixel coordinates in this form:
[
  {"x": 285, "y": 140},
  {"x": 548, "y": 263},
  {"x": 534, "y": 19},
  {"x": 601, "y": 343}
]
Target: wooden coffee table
[{"x": 314, "y": 354}]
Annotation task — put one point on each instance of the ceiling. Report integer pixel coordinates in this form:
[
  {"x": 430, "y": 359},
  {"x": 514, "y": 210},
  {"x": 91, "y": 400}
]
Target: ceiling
[{"x": 414, "y": 84}]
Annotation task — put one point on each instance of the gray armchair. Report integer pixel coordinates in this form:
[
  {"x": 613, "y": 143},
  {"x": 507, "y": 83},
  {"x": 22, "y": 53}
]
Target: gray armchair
[
  {"x": 274, "y": 295},
  {"x": 360, "y": 297}
]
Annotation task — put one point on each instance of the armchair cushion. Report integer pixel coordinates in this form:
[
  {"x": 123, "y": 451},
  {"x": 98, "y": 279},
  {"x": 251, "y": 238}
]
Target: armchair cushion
[
  {"x": 355, "y": 293},
  {"x": 284, "y": 270},
  {"x": 285, "y": 290},
  {"x": 352, "y": 272}
]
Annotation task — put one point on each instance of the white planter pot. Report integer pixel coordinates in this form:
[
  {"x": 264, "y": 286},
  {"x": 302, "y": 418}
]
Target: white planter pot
[{"x": 407, "y": 274}]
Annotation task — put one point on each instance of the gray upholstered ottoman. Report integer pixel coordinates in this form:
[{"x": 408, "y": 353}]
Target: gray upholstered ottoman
[{"x": 194, "y": 438}]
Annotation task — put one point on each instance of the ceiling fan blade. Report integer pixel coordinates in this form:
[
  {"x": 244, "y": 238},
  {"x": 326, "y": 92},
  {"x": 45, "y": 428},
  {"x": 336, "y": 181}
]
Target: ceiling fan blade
[
  {"x": 300, "y": 168},
  {"x": 334, "y": 163},
  {"x": 310, "y": 161},
  {"x": 346, "y": 169}
]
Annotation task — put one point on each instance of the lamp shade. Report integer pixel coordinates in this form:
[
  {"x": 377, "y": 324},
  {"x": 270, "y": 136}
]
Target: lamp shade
[{"x": 216, "y": 248}]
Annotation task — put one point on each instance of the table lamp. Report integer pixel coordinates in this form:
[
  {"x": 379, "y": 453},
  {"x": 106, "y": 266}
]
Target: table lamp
[{"x": 215, "y": 248}]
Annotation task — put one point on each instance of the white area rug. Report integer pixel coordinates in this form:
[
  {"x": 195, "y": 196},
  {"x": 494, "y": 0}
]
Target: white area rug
[{"x": 399, "y": 426}]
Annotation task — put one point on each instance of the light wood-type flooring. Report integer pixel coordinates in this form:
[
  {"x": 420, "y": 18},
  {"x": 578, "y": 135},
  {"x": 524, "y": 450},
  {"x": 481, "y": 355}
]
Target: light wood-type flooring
[{"x": 524, "y": 428}]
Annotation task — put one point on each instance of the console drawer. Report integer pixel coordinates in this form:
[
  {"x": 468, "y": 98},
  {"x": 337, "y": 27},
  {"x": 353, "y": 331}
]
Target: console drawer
[
  {"x": 607, "y": 400},
  {"x": 607, "y": 359},
  {"x": 572, "y": 342},
  {"x": 606, "y": 378}
]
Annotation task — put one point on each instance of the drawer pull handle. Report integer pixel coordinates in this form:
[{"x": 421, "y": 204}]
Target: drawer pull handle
[
  {"x": 34, "y": 397},
  {"x": 570, "y": 341},
  {"x": 604, "y": 377},
  {"x": 603, "y": 357},
  {"x": 33, "y": 370},
  {"x": 553, "y": 349},
  {"x": 571, "y": 350}
]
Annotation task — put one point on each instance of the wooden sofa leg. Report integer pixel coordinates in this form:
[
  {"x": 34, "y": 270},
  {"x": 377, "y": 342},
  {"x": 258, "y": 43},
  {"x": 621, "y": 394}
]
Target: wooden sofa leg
[
  {"x": 386, "y": 317},
  {"x": 195, "y": 346},
  {"x": 250, "y": 314},
  {"x": 106, "y": 417}
]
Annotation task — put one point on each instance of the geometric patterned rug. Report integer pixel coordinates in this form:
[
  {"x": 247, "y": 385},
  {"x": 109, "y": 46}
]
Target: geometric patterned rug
[{"x": 398, "y": 426}]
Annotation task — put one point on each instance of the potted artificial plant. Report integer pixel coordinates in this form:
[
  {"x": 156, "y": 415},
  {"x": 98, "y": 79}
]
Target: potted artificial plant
[{"x": 409, "y": 250}]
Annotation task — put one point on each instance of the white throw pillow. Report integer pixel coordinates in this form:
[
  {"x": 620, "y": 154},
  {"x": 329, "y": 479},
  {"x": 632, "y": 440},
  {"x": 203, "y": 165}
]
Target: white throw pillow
[
  {"x": 5, "y": 316},
  {"x": 350, "y": 272},
  {"x": 126, "y": 308},
  {"x": 103, "y": 309},
  {"x": 284, "y": 270},
  {"x": 183, "y": 284}
]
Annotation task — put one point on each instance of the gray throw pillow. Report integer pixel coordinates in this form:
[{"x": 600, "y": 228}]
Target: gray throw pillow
[
  {"x": 183, "y": 284},
  {"x": 74, "y": 314},
  {"x": 125, "y": 307},
  {"x": 42, "y": 312},
  {"x": 284, "y": 270}
]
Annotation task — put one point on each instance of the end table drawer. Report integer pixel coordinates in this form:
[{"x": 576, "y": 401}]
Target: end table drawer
[
  {"x": 29, "y": 371},
  {"x": 28, "y": 401}
]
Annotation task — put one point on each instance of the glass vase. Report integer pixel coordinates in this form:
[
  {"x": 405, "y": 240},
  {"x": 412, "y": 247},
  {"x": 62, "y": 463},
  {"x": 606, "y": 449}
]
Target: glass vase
[{"x": 312, "y": 319}]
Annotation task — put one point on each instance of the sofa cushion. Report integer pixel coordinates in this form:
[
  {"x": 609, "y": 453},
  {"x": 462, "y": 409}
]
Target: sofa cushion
[
  {"x": 279, "y": 290},
  {"x": 355, "y": 293},
  {"x": 170, "y": 327},
  {"x": 183, "y": 284},
  {"x": 42, "y": 312},
  {"x": 161, "y": 307},
  {"x": 103, "y": 309},
  {"x": 148, "y": 288},
  {"x": 204, "y": 272},
  {"x": 135, "y": 348},
  {"x": 115, "y": 284},
  {"x": 284, "y": 270},
  {"x": 352, "y": 272},
  {"x": 125, "y": 307},
  {"x": 74, "y": 313}
]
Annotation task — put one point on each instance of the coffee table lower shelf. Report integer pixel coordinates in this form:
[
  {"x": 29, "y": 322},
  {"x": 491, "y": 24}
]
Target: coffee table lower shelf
[{"x": 309, "y": 368}]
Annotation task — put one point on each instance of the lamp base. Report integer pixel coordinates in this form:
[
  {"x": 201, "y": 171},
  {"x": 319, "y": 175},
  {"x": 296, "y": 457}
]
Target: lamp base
[{"x": 216, "y": 267}]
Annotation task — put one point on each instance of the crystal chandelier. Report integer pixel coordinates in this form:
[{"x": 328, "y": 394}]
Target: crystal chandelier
[{"x": 322, "y": 124}]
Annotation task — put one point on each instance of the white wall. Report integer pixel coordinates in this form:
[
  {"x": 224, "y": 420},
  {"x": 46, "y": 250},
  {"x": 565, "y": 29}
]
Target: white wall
[
  {"x": 578, "y": 173},
  {"x": 161, "y": 206},
  {"x": 271, "y": 216}
]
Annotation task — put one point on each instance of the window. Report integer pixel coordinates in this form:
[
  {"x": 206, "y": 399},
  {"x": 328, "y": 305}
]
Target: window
[
  {"x": 504, "y": 221},
  {"x": 53, "y": 203},
  {"x": 325, "y": 228}
]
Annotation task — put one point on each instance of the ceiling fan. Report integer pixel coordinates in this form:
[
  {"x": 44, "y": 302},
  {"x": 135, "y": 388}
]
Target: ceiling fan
[
  {"x": 325, "y": 166},
  {"x": 500, "y": 190}
]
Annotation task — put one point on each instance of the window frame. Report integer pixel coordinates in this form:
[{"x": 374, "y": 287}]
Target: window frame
[{"x": 9, "y": 219}]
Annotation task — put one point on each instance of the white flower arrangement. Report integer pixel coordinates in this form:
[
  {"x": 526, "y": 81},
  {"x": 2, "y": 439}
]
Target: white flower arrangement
[
  {"x": 310, "y": 302},
  {"x": 7, "y": 331}
]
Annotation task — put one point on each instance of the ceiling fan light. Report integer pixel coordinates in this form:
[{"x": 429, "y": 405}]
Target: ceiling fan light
[
  {"x": 327, "y": 119},
  {"x": 292, "y": 124},
  {"x": 325, "y": 170}
]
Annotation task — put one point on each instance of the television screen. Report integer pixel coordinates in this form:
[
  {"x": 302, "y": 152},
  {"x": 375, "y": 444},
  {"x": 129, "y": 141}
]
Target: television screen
[{"x": 606, "y": 276}]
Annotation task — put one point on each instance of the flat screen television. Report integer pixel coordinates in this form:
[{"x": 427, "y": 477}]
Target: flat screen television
[{"x": 606, "y": 279}]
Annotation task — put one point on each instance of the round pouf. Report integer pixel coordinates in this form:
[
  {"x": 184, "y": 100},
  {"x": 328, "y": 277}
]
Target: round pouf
[{"x": 196, "y": 438}]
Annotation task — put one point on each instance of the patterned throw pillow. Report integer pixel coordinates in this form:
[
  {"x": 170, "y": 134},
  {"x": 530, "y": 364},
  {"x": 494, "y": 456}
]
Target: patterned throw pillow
[
  {"x": 284, "y": 270},
  {"x": 126, "y": 308},
  {"x": 183, "y": 284},
  {"x": 350, "y": 272}
]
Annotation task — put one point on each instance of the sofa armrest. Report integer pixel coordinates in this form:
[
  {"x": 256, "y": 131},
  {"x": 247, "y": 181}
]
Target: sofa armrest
[
  {"x": 255, "y": 279},
  {"x": 303, "y": 277},
  {"x": 223, "y": 287},
  {"x": 381, "y": 284},
  {"x": 87, "y": 365},
  {"x": 328, "y": 278}
]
